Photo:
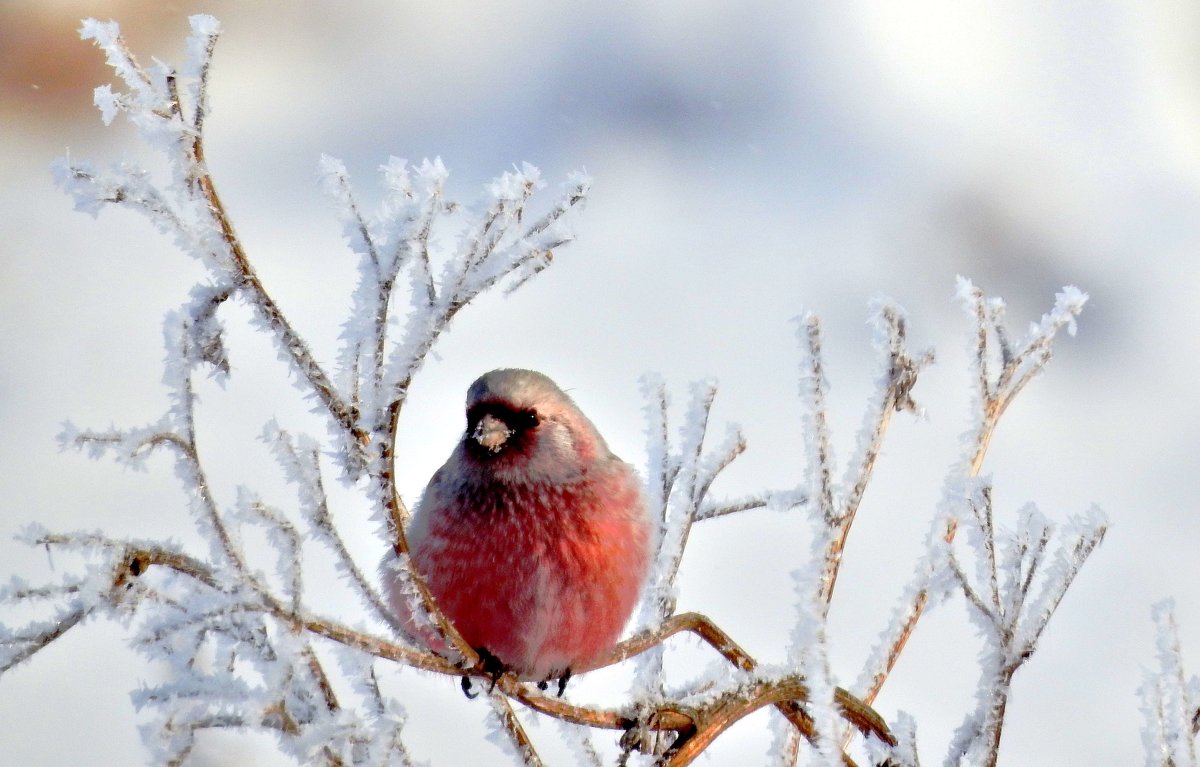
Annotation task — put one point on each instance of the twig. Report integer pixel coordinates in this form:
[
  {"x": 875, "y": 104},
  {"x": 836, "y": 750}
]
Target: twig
[
  {"x": 738, "y": 703},
  {"x": 248, "y": 282},
  {"x": 901, "y": 376},
  {"x": 515, "y": 730},
  {"x": 994, "y": 400}
]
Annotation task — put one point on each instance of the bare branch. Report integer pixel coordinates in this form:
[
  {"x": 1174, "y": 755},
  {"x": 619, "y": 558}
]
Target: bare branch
[
  {"x": 30, "y": 642},
  {"x": 900, "y": 371},
  {"x": 516, "y": 731},
  {"x": 820, "y": 465},
  {"x": 778, "y": 499}
]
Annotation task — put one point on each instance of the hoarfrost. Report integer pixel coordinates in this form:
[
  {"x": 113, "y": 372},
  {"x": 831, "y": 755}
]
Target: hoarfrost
[{"x": 1170, "y": 699}]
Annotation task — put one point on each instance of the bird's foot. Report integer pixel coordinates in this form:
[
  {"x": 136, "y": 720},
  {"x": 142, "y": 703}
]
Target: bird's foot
[
  {"x": 562, "y": 682},
  {"x": 490, "y": 665}
]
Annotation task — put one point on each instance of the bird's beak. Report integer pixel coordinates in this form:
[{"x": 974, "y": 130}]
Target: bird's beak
[{"x": 491, "y": 433}]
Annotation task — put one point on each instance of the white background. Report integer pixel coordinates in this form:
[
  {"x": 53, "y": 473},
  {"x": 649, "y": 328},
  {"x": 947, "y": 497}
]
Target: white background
[{"x": 751, "y": 161}]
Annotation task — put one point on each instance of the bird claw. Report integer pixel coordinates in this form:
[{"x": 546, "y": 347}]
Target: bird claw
[
  {"x": 562, "y": 683},
  {"x": 466, "y": 688},
  {"x": 491, "y": 666}
]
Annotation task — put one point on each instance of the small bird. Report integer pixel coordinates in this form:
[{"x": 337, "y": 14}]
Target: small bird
[{"x": 533, "y": 537}]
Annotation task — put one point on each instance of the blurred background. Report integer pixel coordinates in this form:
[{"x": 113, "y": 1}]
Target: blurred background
[{"x": 750, "y": 163}]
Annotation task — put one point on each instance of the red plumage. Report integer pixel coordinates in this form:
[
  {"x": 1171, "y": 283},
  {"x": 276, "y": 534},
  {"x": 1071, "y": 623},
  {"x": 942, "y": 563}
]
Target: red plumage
[{"x": 533, "y": 537}]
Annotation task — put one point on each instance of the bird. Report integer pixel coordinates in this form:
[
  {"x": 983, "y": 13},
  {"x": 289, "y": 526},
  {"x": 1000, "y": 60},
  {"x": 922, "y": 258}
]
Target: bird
[{"x": 533, "y": 538}]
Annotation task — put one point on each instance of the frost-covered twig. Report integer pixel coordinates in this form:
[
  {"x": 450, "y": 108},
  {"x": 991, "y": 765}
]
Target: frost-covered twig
[
  {"x": 20, "y": 645},
  {"x": 300, "y": 459},
  {"x": 512, "y": 730},
  {"x": 190, "y": 203},
  {"x": 894, "y": 386},
  {"x": 580, "y": 743},
  {"x": 1007, "y": 610},
  {"x": 772, "y": 499},
  {"x": 1170, "y": 699},
  {"x": 679, "y": 482},
  {"x": 837, "y": 504},
  {"x": 1001, "y": 372}
]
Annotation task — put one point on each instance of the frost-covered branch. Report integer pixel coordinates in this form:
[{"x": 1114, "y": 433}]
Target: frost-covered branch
[
  {"x": 512, "y": 731},
  {"x": 1170, "y": 699},
  {"x": 1000, "y": 372},
  {"x": 173, "y": 122},
  {"x": 838, "y": 503},
  {"x": 300, "y": 460},
  {"x": 679, "y": 481},
  {"x": 1008, "y": 612}
]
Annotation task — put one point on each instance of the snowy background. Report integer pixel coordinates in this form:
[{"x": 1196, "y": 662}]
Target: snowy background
[{"x": 750, "y": 163}]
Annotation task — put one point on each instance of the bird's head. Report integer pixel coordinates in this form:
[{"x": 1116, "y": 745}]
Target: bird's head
[{"x": 522, "y": 428}]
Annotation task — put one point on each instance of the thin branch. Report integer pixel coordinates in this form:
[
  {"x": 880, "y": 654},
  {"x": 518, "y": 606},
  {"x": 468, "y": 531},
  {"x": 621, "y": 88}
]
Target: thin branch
[
  {"x": 38, "y": 640},
  {"x": 902, "y": 373},
  {"x": 248, "y": 282},
  {"x": 858, "y": 713},
  {"x": 821, "y": 464},
  {"x": 993, "y": 402},
  {"x": 739, "y": 702},
  {"x": 698, "y": 414},
  {"x": 322, "y": 679},
  {"x": 307, "y": 465},
  {"x": 776, "y": 498},
  {"x": 514, "y": 729},
  {"x": 972, "y": 596},
  {"x": 435, "y": 207}
]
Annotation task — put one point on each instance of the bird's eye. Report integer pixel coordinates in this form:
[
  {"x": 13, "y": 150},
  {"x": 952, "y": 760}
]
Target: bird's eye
[{"x": 527, "y": 419}]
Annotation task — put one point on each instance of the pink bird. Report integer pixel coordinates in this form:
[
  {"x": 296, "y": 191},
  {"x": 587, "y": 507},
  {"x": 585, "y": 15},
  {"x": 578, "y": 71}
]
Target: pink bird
[{"x": 533, "y": 538}]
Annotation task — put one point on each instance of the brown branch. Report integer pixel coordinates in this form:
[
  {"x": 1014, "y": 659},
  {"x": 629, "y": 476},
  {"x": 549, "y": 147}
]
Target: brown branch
[
  {"x": 516, "y": 731},
  {"x": 727, "y": 710},
  {"x": 1002, "y": 688},
  {"x": 824, "y": 467},
  {"x": 706, "y": 722},
  {"x": 903, "y": 371},
  {"x": 435, "y": 206},
  {"x": 249, "y": 282},
  {"x": 694, "y": 623},
  {"x": 318, "y": 672},
  {"x": 994, "y": 401},
  {"x": 858, "y": 713},
  {"x": 137, "y": 560},
  {"x": 711, "y": 720}
]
